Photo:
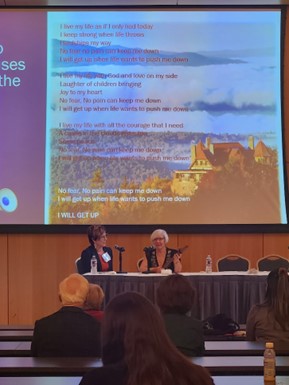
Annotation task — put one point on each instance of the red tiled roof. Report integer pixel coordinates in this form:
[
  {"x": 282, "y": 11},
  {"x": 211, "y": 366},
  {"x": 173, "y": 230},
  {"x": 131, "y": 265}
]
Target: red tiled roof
[
  {"x": 227, "y": 145},
  {"x": 200, "y": 154},
  {"x": 261, "y": 150}
]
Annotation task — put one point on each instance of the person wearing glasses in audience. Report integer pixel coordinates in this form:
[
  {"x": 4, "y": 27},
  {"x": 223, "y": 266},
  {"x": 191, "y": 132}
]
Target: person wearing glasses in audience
[
  {"x": 97, "y": 238},
  {"x": 159, "y": 256}
]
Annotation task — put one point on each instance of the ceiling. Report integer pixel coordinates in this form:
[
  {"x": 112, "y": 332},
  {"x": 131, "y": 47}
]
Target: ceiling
[{"x": 51, "y": 3}]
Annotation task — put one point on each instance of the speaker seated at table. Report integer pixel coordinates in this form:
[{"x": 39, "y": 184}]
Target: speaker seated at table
[
  {"x": 233, "y": 262},
  {"x": 271, "y": 262}
]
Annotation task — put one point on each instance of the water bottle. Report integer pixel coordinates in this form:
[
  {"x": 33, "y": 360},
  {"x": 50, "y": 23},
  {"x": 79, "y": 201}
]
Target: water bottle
[
  {"x": 93, "y": 265},
  {"x": 208, "y": 264},
  {"x": 269, "y": 362}
]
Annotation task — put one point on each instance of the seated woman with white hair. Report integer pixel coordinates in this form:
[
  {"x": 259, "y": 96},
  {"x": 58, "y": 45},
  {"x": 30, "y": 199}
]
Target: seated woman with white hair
[{"x": 159, "y": 256}]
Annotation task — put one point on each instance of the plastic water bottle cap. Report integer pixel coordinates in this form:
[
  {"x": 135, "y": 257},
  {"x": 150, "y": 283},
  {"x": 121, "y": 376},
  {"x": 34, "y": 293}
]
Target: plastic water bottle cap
[{"x": 269, "y": 345}]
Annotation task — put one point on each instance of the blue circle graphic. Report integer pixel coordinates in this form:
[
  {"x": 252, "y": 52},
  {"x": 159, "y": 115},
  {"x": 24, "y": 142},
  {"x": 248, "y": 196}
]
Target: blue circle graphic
[
  {"x": 5, "y": 201},
  {"x": 8, "y": 200}
]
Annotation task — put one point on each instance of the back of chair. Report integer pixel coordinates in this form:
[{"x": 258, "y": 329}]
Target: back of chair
[
  {"x": 271, "y": 262},
  {"x": 233, "y": 262},
  {"x": 138, "y": 264},
  {"x": 78, "y": 265}
]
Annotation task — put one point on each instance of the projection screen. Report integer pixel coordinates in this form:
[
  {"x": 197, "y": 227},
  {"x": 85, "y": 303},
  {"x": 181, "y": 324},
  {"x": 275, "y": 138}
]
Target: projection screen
[{"x": 141, "y": 116}]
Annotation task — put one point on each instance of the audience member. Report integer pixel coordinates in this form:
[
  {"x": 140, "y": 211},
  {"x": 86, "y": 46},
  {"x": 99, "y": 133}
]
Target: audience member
[
  {"x": 69, "y": 332},
  {"x": 94, "y": 301},
  {"x": 269, "y": 321},
  {"x": 137, "y": 351},
  {"x": 97, "y": 238},
  {"x": 175, "y": 298},
  {"x": 159, "y": 256}
]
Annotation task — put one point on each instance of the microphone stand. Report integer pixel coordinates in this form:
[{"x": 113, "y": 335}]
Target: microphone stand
[{"x": 120, "y": 251}]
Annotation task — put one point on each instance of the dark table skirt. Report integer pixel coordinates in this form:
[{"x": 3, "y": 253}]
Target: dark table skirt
[{"x": 229, "y": 293}]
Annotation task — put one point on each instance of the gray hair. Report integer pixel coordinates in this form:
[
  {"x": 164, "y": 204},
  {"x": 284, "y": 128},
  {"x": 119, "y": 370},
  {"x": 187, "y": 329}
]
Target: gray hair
[{"x": 160, "y": 232}]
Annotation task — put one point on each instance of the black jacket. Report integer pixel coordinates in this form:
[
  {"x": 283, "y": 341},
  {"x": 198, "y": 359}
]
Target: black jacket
[
  {"x": 86, "y": 256},
  {"x": 69, "y": 332},
  {"x": 114, "y": 374}
]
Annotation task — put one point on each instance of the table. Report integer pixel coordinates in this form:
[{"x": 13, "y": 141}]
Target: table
[
  {"x": 41, "y": 380},
  {"x": 242, "y": 348},
  {"x": 240, "y": 365},
  {"x": 218, "y": 380},
  {"x": 16, "y": 327},
  {"x": 16, "y": 335},
  {"x": 243, "y": 380},
  {"x": 77, "y": 366},
  {"x": 47, "y": 366},
  {"x": 232, "y": 293},
  {"x": 15, "y": 348},
  {"x": 213, "y": 348}
]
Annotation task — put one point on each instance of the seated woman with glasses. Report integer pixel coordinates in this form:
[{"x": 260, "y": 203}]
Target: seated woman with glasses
[
  {"x": 159, "y": 256},
  {"x": 97, "y": 238}
]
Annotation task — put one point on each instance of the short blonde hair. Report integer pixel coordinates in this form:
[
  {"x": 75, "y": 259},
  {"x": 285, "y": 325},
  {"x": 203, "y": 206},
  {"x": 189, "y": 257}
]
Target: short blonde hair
[
  {"x": 94, "y": 297},
  {"x": 160, "y": 233},
  {"x": 73, "y": 289}
]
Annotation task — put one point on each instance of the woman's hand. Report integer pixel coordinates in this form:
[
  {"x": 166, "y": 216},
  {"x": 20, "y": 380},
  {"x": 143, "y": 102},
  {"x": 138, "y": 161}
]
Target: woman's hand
[
  {"x": 157, "y": 269},
  {"x": 177, "y": 262}
]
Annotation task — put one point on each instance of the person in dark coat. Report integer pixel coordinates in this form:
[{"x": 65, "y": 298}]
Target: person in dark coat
[{"x": 69, "y": 332}]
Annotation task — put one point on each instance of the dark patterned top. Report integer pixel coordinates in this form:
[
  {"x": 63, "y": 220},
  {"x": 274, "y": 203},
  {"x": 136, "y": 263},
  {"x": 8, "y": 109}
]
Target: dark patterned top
[{"x": 168, "y": 262}]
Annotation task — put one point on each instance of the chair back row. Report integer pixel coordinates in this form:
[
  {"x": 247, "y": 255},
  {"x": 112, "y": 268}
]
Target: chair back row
[
  {"x": 235, "y": 262},
  {"x": 231, "y": 262}
]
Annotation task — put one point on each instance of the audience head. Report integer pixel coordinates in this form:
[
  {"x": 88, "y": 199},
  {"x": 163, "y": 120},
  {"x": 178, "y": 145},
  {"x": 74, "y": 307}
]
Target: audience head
[
  {"x": 175, "y": 294},
  {"x": 277, "y": 294},
  {"x": 131, "y": 324},
  {"x": 159, "y": 233},
  {"x": 95, "y": 297},
  {"x": 277, "y": 284},
  {"x": 73, "y": 290},
  {"x": 95, "y": 232},
  {"x": 133, "y": 332}
]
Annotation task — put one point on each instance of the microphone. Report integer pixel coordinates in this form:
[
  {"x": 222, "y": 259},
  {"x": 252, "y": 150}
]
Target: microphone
[
  {"x": 119, "y": 248},
  {"x": 148, "y": 249}
]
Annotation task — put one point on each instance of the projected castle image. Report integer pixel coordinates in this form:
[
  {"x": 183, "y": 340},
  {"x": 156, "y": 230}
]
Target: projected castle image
[{"x": 213, "y": 157}]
